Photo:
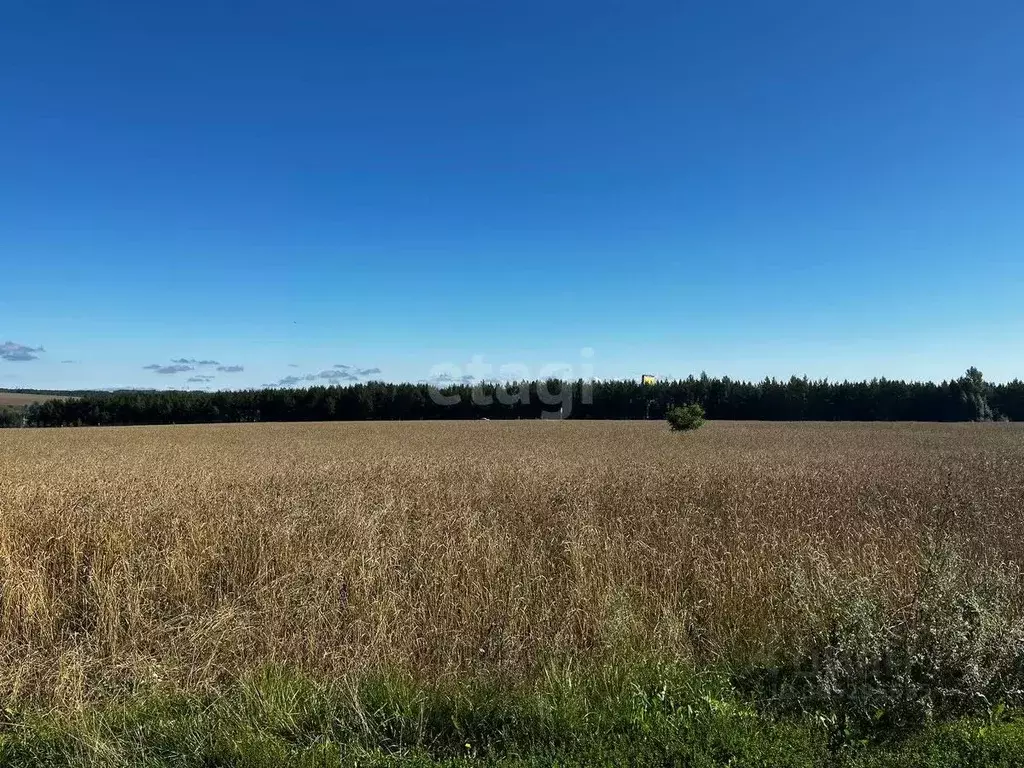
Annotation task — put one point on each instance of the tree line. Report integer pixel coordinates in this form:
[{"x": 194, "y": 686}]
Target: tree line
[{"x": 968, "y": 398}]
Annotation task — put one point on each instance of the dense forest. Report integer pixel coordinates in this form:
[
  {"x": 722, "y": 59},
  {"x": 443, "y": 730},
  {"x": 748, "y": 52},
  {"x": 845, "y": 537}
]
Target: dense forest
[{"x": 968, "y": 398}]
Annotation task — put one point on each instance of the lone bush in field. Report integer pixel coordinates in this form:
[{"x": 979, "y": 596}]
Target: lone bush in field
[{"x": 686, "y": 417}]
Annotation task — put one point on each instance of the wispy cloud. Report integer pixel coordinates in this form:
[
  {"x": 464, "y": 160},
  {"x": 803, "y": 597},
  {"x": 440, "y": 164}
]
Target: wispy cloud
[
  {"x": 187, "y": 364},
  {"x": 199, "y": 379},
  {"x": 335, "y": 375},
  {"x": 167, "y": 369},
  {"x": 13, "y": 352},
  {"x": 289, "y": 381},
  {"x": 193, "y": 361},
  {"x": 70, "y": 362},
  {"x": 447, "y": 378},
  {"x": 339, "y": 373},
  {"x": 293, "y": 365}
]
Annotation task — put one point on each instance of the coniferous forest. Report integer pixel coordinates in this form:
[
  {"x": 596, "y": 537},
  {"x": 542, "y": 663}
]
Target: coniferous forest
[{"x": 968, "y": 398}]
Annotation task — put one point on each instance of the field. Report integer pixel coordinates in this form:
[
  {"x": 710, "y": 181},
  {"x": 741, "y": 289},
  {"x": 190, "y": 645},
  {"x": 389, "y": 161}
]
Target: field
[
  {"x": 17, "y": 399},
  {"x": 828, "y": 573}
]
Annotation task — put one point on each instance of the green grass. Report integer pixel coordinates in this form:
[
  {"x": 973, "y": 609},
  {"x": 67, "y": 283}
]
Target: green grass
[{"x": 653, "y": 716}]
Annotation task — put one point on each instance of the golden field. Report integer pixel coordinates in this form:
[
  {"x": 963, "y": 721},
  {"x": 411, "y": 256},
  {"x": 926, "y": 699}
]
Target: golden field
[{"x": 183, "y": 557}]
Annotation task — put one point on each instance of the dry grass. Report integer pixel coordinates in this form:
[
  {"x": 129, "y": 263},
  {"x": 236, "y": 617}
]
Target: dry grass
[{"x": 185, "y": 556}]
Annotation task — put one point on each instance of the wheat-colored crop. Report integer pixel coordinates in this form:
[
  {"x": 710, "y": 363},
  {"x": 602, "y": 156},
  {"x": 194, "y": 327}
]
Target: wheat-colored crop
[{"x": 184, "y": 556}]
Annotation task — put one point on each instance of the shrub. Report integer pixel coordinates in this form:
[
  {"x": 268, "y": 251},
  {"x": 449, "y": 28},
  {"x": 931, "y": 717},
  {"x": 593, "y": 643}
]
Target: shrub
[
  {"x": 865, "y": 667},
  {"x": 685, "y": 417}
]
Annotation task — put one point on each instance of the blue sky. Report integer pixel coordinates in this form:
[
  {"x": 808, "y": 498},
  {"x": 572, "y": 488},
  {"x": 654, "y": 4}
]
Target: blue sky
[{"x": 751, "y": 189}]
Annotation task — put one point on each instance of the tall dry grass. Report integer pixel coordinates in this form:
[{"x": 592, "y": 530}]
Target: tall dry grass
[{"x": 185, "y": 556}]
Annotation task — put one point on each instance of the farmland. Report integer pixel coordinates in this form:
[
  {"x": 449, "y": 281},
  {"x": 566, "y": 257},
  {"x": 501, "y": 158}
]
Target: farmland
[
  {"x": 183, "y": 563},
  {"x": 18, "y": 399}
]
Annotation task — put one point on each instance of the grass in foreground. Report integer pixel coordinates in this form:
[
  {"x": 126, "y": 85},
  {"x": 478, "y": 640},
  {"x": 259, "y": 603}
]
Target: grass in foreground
[{"x": 651, "y": 717}]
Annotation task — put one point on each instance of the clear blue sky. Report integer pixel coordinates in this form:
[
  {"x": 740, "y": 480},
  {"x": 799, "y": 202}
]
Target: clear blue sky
[{"x": 760, "y": 188}]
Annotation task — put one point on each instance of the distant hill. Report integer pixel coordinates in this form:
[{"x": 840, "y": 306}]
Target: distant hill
[{"x": 20, "y": 397}]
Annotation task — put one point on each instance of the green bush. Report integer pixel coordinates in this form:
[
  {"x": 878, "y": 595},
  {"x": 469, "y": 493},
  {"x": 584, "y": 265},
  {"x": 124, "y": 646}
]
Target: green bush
[
  {"x": 685, "y": 417},
  {"x": 956, "y": 649}
]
